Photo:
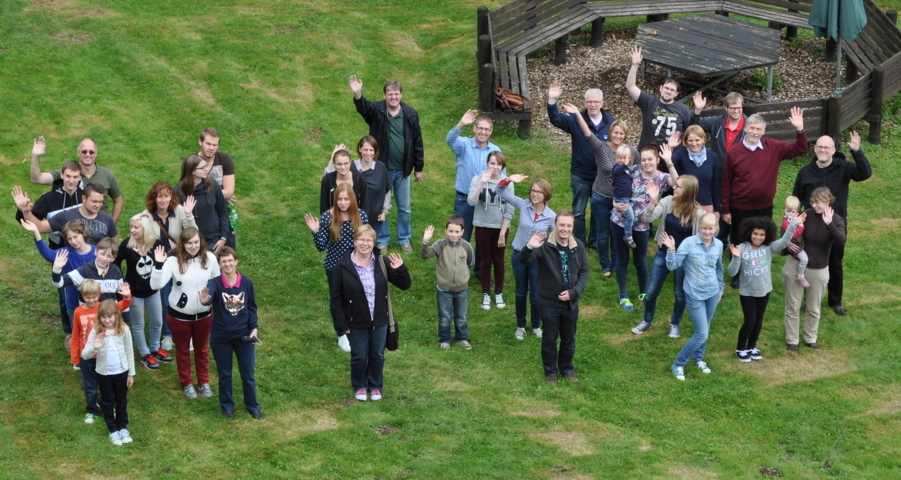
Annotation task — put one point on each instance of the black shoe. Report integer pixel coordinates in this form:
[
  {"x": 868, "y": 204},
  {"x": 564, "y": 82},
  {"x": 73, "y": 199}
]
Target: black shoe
[
  {"x": 734, "y": 283},
  {"x": 256, "y": 414},
  {"x": 571, "y": 377},
  {"x": 839, "y": 311},
  {"x": 813, "y": 345},
  {"x": 792, "y": 347},
  {"x": 229, "y": 414}
]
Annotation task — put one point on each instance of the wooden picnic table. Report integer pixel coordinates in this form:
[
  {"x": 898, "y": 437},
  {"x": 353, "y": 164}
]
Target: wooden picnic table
[{"x": 710, "y": 45}]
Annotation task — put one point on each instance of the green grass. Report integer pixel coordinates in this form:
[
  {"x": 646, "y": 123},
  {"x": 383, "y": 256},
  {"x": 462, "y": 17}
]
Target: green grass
[{"x": 144, "y": 78}]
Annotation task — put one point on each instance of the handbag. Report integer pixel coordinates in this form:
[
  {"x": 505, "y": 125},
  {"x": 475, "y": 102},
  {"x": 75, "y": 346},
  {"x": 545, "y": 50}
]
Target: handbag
[
  {"x": 392, "y": 342},
  {"x": 512, "y": 100}
]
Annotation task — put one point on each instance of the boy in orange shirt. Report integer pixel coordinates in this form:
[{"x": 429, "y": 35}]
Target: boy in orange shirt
[{"x": 82, "y": 323}]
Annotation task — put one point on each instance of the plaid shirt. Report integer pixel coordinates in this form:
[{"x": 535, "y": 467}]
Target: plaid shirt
[{"x": 367, "y": 278}]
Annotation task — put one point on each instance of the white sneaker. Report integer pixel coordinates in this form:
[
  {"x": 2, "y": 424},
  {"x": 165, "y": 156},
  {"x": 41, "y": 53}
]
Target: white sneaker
[
  {"x": 674, "y": 331},
  {"x": 499, "y": 300},
  {"x": 361, "y": 395},
  {"x": 114, "y": 437},
  {"x": 344, "y": 343},
  {"x": 125, "y": 436},
  {"x": 191, "y": 345},
  {"x": 520, "y": 333},
  {"x": 537, "y": 332},
  {"x": 166, "y": 343},
  {"x": 486, "y": 301}
]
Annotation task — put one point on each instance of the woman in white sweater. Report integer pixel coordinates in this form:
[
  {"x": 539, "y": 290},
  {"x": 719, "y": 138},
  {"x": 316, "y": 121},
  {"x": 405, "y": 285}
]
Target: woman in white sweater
[{"x": 189, "y": 269}]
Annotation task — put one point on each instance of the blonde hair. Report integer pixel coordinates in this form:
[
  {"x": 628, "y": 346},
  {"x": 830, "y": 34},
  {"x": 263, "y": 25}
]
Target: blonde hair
[
  {"x": 686, "y": 205},
  {"x": 623, "y": 151},
  {"x": 108, "y": 308},
  {"x": 149, "y": 232},
  {"x": 89, "y": 287},
  {"x": 709, "y": 220},
  {"x": 792, "y": 203}
]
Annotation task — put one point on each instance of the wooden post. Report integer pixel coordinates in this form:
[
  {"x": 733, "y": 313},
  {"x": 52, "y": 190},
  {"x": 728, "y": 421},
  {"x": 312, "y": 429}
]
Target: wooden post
[
  {"x": 834, "y": 116},
  {"x": 597, "y": 33},
  {"x": 877, "y": 100},
  {"x": 791, "y": 32},
  {"x": 851, "y": 71},
  {"x": 560, "y": 52},
  {"x": 831, "y": 46},
  {"x": 481, "y": 21},
  {"x": 484, "y": 52},
  {"x": 486, "y": 87},
  {"x": 892, "y": 15},
  {"x": 658, "y": 18},
  {"x": 524, "y": 129},
  {"x": 722, "y": 13}
]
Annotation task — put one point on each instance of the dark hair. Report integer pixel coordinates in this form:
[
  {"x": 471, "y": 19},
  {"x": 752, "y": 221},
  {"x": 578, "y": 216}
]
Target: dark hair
[
  {"x": 673, "y": 81},
  {"x": 564, "y": 213},
  {"x": 186, "y": 182},
  {"x": 372, "y": 142},
  {"x": 155, "y": 190},
  {"x": 766, "y": 224},
  {"x": 108, "y": 244},
  {"x": 71, "y": 165},
  {"x": 651, "y": 147},
  {"x": 226, "y": 251},
  {"x": 392, "y": 85},
  {"x": 455, "y": 220},
  {"x": 498, "y": 157},
  {"x": 182, "y": 254},
  {"x": 94, "y": 187},
  {"x": 77, "y": 227}
]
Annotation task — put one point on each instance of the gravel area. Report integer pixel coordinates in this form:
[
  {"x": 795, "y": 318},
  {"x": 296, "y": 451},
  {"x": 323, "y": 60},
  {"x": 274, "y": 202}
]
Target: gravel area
[{"x": 801, "y": 68}]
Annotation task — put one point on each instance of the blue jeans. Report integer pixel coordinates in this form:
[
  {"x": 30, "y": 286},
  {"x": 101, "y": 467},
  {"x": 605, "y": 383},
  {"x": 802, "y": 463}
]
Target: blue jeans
[
  {"x": 465, "y": 210},
  {"x": 526, "y": 277},
  {"x": 600, "y": 211},
  {"x": 452, "y": 305},
  {"x": 401, "y": 188},
  {"x": 659, "y": 272},
  {"x": 244, "y": 352},
  {"x": 137, "y": 322},
  {"x": 701, "y": 313},
  {"x": 581, "y": 197},
  {"x": 367, "y": 357},
  {"x": 164, "y": 304},
  {"x": 89, "y": 385},
  {"x": 558, "y": 321},
  {"x": 628, "y": 216},
  {"x": 640, "y": 255}
]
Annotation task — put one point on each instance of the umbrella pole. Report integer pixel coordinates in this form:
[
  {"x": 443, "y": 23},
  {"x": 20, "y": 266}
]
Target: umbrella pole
[{"x": 838, "y": 66}]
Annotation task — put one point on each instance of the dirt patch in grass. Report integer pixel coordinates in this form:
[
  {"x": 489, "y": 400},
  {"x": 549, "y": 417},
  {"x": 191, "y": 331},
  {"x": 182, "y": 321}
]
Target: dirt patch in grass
[
  {"x": 404, "y": 45},
  {"x": 71, "y": 37},
  {"x": 11, "y": 161},
  {"x": 689, "y": 473},
  {"x": 296, "y": 424},
  {"x": 886, "y": 399},
  {"x": 574, "y": 442},
  {"x": 385, "y": 430},
  {"x": 72, "y": 9},
  {"x": 80, "y": 125},
  {"x": 645, "y": 447},
  {"x": 542, "y": 413},
  {"x": 49, "y": 321},
  {"x": 804, "y": 366},
  {"x": 884, "y": 295},
  {"x": 205, "y": 95}
]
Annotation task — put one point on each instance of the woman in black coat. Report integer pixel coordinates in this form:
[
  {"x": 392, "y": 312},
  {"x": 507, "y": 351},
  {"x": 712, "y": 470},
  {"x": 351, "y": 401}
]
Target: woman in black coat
[{"x": 351, "y": 308}]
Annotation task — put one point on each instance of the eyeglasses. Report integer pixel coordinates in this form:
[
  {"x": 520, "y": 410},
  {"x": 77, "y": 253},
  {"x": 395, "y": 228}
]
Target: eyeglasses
[
  {"x": 591, "y": 102},
  {"x": 734, "y": 109},
  {"x": 88, "y": 152},
  {"x": 537, "y": 191},
  {"x": 202, "y": 167},
  {"x": 483, "y": 129}
]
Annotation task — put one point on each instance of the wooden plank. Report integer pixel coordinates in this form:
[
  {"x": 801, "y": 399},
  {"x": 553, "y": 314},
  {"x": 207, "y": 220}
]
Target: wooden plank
[
  {"x": 859, "y": 56},
  {"x": 530, "y": 18},
  {"x": 797, "y": 6},
  {"x": 882, "y": 26},
  {"x": 521, "y": 62},
  {"x": 513, "y": 9},
  {"x": 545, "y": 33},
  {"x": 503, "y": 71},
  {"x": 514, "y": 73},
  {"x": 621, "y": 9},
  {"x": 765, "y": 13}
]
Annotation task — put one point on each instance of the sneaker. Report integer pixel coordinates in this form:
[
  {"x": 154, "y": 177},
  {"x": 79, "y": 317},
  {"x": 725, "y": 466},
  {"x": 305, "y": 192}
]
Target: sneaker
[
  {"x": 205, "y": 391},
  {"x": 89, "y": 418},
  {"x": 361, "y": 395},
  {"x": 631, "y": 243},
  {"x": 125, "y": 436},
  {"x": 520, "y": 333},
  {"x": 755, "y": 354},
  {"x": 678, "y": 372},
  {"x": 743, "y": 356},
  {"x": 344, "y": 343},
  {"x": 256, "y": 414},
  {"x": 190, "y": 392},
  {"x": 803, "y": 281},
  {"x": 114, "y": 437},
  {"x": 674, "y": 331},
  {"x": 375, "y": 395},
  {"x": 149, "y": 362},
  {"x": 499, "y": 300},
  {"x": 76, "y": 367},
  {"x": 702, "y": 366},
  {"x": 486, "y": 301},
  {"x": 444, "y": 345},
  {"x": 536, "y": 332},
  {"x": 641, "y": 296},
  {"x": 406, "y": 248},
  {"x": 67, "y": 343},
  {"x": 640, "y": 328},
  {"x": 161, "y": 356},
  {"x": 191, "y": 345},
  {"x": 465, "y": 344},
  {"x": 626, "y": 304},
  {"x": 166, "y": 343}
]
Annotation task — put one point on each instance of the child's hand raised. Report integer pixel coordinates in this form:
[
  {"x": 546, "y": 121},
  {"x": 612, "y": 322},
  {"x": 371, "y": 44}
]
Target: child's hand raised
[
  {"x": 312, "y": 223},
  {"x": 159, "y": 254},
  {"x": 735, "y": 250},
  {"x": 801, "y": 218},
  {"x": 98, "y": 340},
  {"x": 427, "y": 236},
  {"x": 62, "y": 258},
  {"x": 124, "y": 289}
]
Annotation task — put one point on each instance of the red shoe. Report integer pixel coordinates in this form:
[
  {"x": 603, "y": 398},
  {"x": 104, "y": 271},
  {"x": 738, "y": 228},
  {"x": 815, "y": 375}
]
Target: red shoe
[
  {"x": 149, "y": 362},
  {"x": 162, "y": 356}
]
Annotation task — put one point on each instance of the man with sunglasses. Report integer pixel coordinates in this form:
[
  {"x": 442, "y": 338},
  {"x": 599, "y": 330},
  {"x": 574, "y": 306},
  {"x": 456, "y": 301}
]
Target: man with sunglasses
[{"x": 90, "y": 172}]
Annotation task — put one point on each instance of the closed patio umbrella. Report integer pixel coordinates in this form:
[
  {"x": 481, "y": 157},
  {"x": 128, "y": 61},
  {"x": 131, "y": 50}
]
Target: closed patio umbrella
[{"x": 838, "y": 19}]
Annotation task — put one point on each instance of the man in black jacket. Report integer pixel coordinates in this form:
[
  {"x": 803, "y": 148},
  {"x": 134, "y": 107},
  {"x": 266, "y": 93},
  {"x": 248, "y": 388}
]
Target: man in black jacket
[
  {"x": 65, "y": 193},
  {"x": 830, "y": 168},
  {"x": 395, "y": 126},
  {"x": 562, "y": 278}
]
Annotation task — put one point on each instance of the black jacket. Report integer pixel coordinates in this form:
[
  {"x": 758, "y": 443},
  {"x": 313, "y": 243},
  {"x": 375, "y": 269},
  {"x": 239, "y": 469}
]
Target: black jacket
[
  {"x": 49, "y": 204},
  {"x": 550, "y": 271},
  {"x": 329, "y": 183},
  {"x": 210, "y": 212},
  {"x": 836, "y": 176},
  {"x": 348, "y": 300},
  {"x": 376, "y": 116}
]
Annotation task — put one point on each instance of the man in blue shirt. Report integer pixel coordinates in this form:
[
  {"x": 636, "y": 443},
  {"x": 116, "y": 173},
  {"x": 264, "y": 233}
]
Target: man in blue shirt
[{"x": 472, "y": 154}]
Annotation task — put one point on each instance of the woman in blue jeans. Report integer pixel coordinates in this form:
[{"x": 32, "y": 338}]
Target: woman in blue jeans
[
  {"x": 644, "y": 177},
  {"x": 702, "y": 256},
  {"x": 681, "y": 217},
  {"x": 534, "y": 216}
]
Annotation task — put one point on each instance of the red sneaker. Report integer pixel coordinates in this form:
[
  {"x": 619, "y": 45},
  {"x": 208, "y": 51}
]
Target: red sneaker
[
  {"x": 161, "y": 356},
  {"x": 149, "y": 362}
]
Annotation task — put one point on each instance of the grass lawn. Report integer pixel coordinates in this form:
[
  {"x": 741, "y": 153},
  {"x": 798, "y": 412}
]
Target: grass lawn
[{"x": 144, "y": 78}]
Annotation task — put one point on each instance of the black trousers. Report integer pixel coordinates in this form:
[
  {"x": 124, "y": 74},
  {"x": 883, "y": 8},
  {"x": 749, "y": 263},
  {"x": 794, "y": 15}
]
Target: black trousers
[
  {"x": 753, "y": 308},
  {"x": 114, "y": 400},
  {"x": 836, "y": 275}
]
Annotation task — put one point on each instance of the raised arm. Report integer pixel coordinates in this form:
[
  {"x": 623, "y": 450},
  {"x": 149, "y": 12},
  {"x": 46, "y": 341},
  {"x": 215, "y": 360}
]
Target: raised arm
[
  {"x": 636, "y": 59},
  {"x": 37, "y": 176}
]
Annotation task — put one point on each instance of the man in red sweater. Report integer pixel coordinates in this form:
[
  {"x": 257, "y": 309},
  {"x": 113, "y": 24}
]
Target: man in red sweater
[{"x": 751, "y": 170}]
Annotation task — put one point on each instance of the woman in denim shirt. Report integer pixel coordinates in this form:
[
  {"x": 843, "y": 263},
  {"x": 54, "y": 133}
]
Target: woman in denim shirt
[
  {"x": 702, "y": 256},
  {"x": 534, "y": 216}
]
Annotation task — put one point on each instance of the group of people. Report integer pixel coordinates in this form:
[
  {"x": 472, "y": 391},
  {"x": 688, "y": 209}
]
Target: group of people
[{"x": 179, "y": 263}]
